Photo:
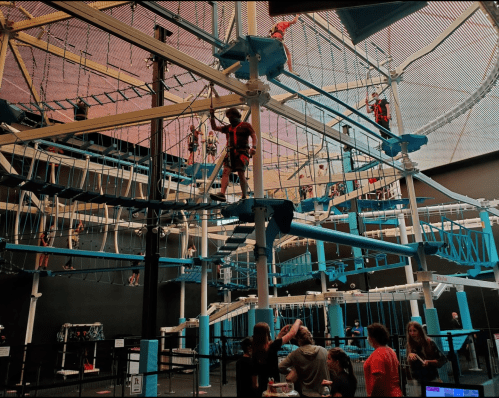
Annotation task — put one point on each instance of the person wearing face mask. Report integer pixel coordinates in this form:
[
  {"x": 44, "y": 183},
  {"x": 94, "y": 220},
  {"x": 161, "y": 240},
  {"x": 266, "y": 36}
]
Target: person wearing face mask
[{"x": 238, "y": 150}]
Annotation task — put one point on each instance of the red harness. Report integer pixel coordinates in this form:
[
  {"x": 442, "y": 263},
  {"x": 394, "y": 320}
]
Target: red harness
[{"x": 378, "y": 113}]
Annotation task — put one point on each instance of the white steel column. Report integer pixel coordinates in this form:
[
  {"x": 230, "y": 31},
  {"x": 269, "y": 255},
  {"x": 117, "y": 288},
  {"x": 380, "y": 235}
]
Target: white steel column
[
  {"x": 398, "y": 195},
  {"x": 261, "y": 262}
]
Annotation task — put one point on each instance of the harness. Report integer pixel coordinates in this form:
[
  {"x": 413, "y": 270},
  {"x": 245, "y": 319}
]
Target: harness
[
  {"x": 274, "y": 29},
  {"x": 193, "y": 139},
  {"x": 212, "y": 140},
  {"x": 233, "y": 144},
  {"x": 378, "y": 112}
]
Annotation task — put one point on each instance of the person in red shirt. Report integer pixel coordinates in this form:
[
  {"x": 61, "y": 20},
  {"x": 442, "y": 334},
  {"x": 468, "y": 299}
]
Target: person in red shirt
[
  {"x": 277, "y": 32},
  {"x": 238, "y": 150},
  {"x": 381, "y": 368}
]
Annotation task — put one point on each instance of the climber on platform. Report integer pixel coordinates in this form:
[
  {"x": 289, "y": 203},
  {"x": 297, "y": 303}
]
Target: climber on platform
[{"x": 238, "y": 150}]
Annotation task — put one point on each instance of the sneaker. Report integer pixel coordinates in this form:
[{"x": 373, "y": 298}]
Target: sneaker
[
  {"x": 294, "y": 73},
  {"x": 219, "y": 197},
  {"x": 136, "y": 283}
]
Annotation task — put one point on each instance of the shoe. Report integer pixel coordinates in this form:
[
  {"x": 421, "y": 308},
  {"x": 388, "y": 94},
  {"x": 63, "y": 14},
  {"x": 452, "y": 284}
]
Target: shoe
[
  {"x": 219, "y": 197},
  {"x": 294, "y": 73},
  {"x": 136, "y": 283},
  {"x": 130, "y": 284}
]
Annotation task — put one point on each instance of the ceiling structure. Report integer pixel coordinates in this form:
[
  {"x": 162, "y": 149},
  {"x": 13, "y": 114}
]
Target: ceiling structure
[{"x": 442, "y": 53}]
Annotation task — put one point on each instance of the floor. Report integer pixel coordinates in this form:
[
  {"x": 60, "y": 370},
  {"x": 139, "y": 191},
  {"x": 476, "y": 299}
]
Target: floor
[{"x": 182, "y": 385}]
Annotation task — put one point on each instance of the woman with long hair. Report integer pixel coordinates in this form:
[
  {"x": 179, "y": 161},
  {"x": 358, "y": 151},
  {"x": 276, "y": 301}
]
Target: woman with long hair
[
  {"x": 343, "y": 381},
  {"x": 423, "y": 354},
  {"x": 265, "y": 362},
  {"x": 381, "y": 369}
]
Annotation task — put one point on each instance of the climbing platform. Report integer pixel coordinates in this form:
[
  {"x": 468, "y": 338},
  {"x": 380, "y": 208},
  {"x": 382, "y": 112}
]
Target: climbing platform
[
  {"x": 392, "y": 146},
  {"x": 271, "y": 51},
  {"x": 41, "y": 187}
]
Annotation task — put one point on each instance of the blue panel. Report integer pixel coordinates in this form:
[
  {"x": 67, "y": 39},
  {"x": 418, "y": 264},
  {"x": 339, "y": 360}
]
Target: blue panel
[
  {"x": 336, "y": 320},
  {"x": 204, "y": 349},
  {"x": 265, "y": 315},
  {"x": 362, "y": 22},
  {"x": 149, "y": 363},
  {"x": 271, "y": 51},
  {"x": 464, "y": 310}
]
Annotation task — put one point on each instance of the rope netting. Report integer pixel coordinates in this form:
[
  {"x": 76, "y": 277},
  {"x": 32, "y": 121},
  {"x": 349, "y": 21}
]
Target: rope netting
[{"x": 295, "y": 155}]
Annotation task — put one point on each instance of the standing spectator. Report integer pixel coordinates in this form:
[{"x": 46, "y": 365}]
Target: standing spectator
[
  {"x": 134, "y": 279},
  {"x": 455, "y": 321},
  {"x": 343, "y": 382},
  {"x": 277, "y": 32},
  {"x": 356, "y": 331},
  {"x": 265, "y": 363},
  {"x": 456, "y": 324},
  {"x": 75, "y": 243},
  {"x": 381, "y": 368},
  {"x": 382, "y": 114},
  {"x": 244, "y": 371},
  {"x": 310, "y": 364},
  {"x": 211, "y": 147},
  {"x": 192, "y": 144},
  {"x": 423, "y": 354},
  {"x": 238, "y": 150}
]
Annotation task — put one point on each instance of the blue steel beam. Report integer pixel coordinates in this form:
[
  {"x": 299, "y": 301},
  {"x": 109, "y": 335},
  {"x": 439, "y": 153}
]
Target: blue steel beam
[
  {"x": 317, "y": 103},
  {"x": 342, "y": 238},
  {"x": 179, "y": 21},
  {"x": 351, "y": 109},
  {"x": 92, "y": 254}
]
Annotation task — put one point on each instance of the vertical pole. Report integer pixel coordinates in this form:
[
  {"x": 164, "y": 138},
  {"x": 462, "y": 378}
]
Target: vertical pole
[
  {"x": 336, "y": 319},
  {"x": 401, "y": 220},
  {"x": 264, "y": 312},
  {"x": 277, "y": 322},
  {"x": 149, "y": 343},
  {"x": 183, "y": 245},
  {"x": 214, "y": 22},
  {"x": 239, "y": 28},
  {"x": 204, "y": 319},
  {"x": 491, "y": 245},
  {"x": 321, "y": 259}
]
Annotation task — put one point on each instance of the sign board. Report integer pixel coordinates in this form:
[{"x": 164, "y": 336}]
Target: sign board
[
  {"x": 496, "y": 339},
  {"x": 4, "y": 351},
  {"x": 119, "y": 343},
  {"x": 136, "y": 384}
]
